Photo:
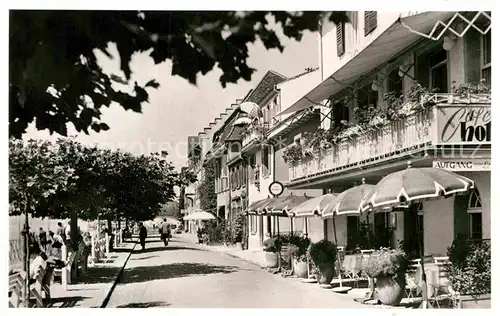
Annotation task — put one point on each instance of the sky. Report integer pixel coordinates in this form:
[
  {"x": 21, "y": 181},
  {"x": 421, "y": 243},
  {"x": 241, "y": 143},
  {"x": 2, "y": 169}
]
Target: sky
[{"x": 179, "y": 109}]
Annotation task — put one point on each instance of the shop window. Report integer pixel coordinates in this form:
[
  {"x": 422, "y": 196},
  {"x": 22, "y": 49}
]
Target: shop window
[
  {"x": 438, "y": 66},
  {"x": 370, "y": 21},
  {"x": 420, "y": 220},
  {"x": 352, "y": 232},
  {"x": 340, "y": 39},
  {"x": 475, "y": 215},
  {"x": 486, "y": 58},
  {"x": 269, "y": 228}
]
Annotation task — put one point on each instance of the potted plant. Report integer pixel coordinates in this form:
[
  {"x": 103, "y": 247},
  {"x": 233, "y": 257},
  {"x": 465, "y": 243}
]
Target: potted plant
[
  {"x": 272, "y": 247},
  {"x": 470, "y": 273},
  {"x": 299, "y": 246},
  {"x": 292, "y": 154},
  {"x": 323, "y": 255},
  {"x": 388, "y": 267}
]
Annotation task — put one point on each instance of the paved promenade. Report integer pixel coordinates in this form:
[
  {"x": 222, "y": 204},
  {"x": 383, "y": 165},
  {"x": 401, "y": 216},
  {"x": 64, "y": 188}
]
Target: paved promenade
[{"x": 185, "y": 274}]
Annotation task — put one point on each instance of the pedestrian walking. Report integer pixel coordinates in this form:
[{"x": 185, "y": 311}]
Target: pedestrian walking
[
  {"x": 67, "y": 231},
  {"x": 165, "y": 232},
  {"x": 42, "y": 238},
  {"x": 60, "y": 231},
  {"x": 143, "y": 234}
]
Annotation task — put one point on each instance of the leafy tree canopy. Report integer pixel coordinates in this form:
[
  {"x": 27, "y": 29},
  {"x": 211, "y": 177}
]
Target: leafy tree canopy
[
  {"x": 57, "y": 179},
  {"x": 170, "y": 209},
  {"x": 55, "y": 78}
]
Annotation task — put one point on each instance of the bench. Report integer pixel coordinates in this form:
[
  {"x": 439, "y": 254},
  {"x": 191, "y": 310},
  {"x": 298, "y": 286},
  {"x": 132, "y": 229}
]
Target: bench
[
  {"x": 39, "y": 290},
  {"x": 16, "y": 284},
  {"x": 69, "y": 272},
  {"x": 100, "y": 249}
]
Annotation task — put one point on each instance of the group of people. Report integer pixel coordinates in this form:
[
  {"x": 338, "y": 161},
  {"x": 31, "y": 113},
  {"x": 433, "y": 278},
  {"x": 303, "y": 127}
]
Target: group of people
[
  {"x": 48, "y": 248},
  {"x": 164, "y": 230}
]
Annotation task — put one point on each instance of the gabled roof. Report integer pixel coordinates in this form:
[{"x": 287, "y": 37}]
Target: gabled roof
[
  {"x": 265, "y": 86},
  {"x": 236, "y": 133}
]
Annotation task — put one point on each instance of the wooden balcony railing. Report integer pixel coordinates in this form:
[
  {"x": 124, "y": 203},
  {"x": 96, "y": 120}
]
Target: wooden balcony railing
[
  {"x": 425, "y": 127},
  {"x": 397, "y": 136}
]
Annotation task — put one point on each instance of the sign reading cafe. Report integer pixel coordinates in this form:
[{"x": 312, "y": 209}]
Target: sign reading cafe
[{"x": 464, "y": 124}]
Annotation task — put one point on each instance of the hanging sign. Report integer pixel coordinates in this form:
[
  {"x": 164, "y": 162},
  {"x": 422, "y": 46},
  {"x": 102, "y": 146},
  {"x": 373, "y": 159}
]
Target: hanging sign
[
  {"x": 463, "y": 164},
  {"x": 276, "y": 188},
  {"x": 464, "y": 124}
]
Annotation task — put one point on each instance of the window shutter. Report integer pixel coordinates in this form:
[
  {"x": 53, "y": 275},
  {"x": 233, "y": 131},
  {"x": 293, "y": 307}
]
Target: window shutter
[
  {"x": 340, "y": 39},
  {"x": 370, "y": 21}
]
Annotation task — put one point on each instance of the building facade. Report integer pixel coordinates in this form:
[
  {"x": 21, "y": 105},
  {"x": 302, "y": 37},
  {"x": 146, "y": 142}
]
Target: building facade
[
  {"x": 381, "y": 54},
  {"x": 390, "y": 88}
]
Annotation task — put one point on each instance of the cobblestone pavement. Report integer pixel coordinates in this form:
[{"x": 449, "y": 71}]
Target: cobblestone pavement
[{"x": 184, "y": 275}]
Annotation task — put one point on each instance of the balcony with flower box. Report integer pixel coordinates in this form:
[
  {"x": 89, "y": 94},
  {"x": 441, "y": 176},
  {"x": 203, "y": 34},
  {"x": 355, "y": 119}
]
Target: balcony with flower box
[{"x": 437, "y": 121}]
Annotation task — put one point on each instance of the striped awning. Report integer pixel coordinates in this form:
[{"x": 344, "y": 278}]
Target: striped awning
[
  {"x": 253, "y": 208},
  {"x": 283, "y": 205}
]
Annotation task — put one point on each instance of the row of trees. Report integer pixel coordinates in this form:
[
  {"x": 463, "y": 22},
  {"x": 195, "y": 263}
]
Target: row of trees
[{"x": 65, "y": 179}]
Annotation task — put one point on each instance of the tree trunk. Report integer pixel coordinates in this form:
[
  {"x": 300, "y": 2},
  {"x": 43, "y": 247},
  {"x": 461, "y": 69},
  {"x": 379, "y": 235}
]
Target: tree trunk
[
  {"x": 110, "y": 231},
  {"x": 26, "y": 258},
  {"x": 74, "y": 230}
]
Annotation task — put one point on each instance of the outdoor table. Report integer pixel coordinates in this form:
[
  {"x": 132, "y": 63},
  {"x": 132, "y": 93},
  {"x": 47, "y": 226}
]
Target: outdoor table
[
  {"x": 353, "y": 264},
  {"x": 434, "y": 282}
]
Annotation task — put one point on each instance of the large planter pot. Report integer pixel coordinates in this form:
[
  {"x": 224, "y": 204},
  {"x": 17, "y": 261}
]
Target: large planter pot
[
  {"x": 271, "y": 260},
  {"x": 472, "y": 302},
  {"x": 325, "y": 276},
  {"x": 390, "y": 291},
  {"x": 300, "y": 268}
]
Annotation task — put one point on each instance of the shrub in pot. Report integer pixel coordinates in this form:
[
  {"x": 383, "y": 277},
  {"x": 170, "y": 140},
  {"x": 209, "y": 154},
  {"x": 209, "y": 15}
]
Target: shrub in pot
[
  {"x": 299, "y": 261},
  {"x": 323, "y": 255},
  {"x": 272, "y": 246},
  {"x": 388, "y": 267},
  {"x": 299, "y": 245},
  {"x": 470, "y": 273}
]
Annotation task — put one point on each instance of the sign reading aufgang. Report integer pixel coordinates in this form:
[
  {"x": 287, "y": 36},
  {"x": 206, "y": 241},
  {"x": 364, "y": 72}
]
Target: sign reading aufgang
[
  {"x": 463, "y": 164},
  {"x": 464, "y": 124}
]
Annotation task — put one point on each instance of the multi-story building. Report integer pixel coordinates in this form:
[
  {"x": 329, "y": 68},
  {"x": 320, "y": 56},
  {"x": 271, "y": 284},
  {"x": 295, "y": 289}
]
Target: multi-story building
[
  {"x": 379, "y": 53},
  {"x": 412, "y": 61}
]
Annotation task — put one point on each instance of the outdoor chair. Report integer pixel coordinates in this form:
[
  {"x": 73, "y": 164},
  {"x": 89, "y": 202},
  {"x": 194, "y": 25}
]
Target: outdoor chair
[
  {"x": 442, "y": 290},
  {"x": 285, "y": 260},
  {"x": 411, "y": 285}
]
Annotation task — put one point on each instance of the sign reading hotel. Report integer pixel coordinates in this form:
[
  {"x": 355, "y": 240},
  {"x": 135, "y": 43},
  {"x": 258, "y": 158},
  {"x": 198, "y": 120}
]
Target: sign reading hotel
[
  {"x": 463, "y": 164},
  {"x": 276, "y": 188},
  {"x": 464, "y": 124}
]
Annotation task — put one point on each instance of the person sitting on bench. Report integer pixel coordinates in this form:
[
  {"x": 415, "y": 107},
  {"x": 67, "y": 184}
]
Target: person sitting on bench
[{"x": 35, "y": 267}]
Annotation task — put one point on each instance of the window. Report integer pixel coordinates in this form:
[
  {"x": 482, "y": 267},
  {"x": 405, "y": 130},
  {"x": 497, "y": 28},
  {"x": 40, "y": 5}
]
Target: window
[
  {"x": 438, "y": 65},
  {"x": 253, "y": 224},
  {"x": 265, "y": 114},
  {"x": 366, "y": 96},
  {"x": 340, "y": 39},
  {"x": 370, "y": 21},
  {"x": 265, "y": 161},
  {"x": 395, "y": 83},
  {"x": 475, "y": 215},
  {"x": 339, "y": 113},
  {"x": 486, "y": 58}
]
